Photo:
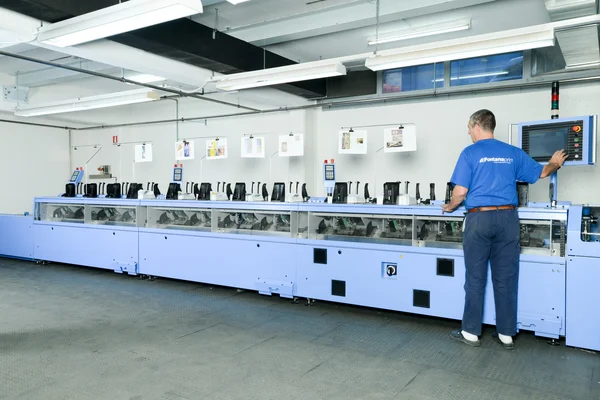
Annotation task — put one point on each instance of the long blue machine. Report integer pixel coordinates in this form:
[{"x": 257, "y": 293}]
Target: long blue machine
[{"x": 403, "y": 258}]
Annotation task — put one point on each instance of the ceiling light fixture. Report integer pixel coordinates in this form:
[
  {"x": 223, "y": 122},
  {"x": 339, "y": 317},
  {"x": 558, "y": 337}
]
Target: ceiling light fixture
[
  {"x": 144, "y": 78},
  {"x": 422, "y": 33},
  {"x": 120, "y": 18},
  {"x": 483, "y": 75},
  {"x": 459, "y": 49},
  {"x": 237, "y": 1},
  {"x": 279, "y": 75},
  {"x": 89, "y": 103}
]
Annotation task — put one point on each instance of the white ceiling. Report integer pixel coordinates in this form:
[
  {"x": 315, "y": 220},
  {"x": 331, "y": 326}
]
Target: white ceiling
[
  {"x": 302, "y": 30},
  {"x": 308, "y": 31}
]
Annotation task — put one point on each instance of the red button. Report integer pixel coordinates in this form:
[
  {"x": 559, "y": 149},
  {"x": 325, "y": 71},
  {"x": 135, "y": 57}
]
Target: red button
[
  {"x": 576, "y": 129},
  {"x": 577, "y": 145}
]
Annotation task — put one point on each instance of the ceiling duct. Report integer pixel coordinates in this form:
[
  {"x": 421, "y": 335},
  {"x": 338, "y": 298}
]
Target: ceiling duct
[
  {"x": 581, "y": 45},
  {"x": 181, "y": 40},
  {"x": 566, "y": 9}
]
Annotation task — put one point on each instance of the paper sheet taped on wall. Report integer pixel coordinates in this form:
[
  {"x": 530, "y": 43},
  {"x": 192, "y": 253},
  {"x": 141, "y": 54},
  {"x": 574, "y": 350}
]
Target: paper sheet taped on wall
[
  {"x": 143, "y": 152},
  {"x": 184, "y": 150},
  {"x": 216, "y": 149},
  {"x": 291, "y": 145},
  {"x": 253, "y": 147},
  {"x": 400, "y": 139},
  {"x": 352, "y": 142}
]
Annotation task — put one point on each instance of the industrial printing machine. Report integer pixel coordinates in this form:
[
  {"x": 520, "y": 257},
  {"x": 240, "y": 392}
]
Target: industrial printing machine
[{"x": 396, "y": 253}]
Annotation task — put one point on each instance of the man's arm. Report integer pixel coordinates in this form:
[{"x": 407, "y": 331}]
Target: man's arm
[
  {"x": 554, "y": 164},
  {"x": 459, "y": 194}
]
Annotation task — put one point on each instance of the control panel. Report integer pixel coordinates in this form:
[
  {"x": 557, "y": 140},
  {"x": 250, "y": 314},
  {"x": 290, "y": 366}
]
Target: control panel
[
  {"x": 329, "y": 175},
  {"x": 77, "y": 176},
  {"x": 577, "y": 136},
  {"x": 178, "y": 173}
]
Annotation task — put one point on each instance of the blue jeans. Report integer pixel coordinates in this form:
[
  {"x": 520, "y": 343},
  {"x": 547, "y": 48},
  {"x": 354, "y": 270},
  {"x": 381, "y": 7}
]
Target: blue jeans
[{"x": 492, "y": 236}]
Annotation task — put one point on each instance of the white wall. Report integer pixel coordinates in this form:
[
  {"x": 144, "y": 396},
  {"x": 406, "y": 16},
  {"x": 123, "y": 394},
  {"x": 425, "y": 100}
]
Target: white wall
[
  {"x": 163, "y": 136},
  {"x": 442, "y": 134},
  {"x": 34, "y": 162}
]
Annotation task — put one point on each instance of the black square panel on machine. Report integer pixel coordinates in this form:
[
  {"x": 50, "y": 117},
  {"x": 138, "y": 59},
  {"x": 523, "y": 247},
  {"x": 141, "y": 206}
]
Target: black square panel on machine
[
  {"x": 320, "y": 256},
  {"x": 421, "y": 298},
  {"x": 338, "y": 288},
  {"x": 445, "y": 267}
]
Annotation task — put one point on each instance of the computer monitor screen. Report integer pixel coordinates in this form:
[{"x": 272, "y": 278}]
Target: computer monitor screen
[{"x": 544, "y": 143}]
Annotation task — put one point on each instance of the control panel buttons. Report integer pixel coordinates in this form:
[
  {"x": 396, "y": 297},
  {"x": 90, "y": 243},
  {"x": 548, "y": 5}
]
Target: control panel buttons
[
  {"x": 576, "y": 129},
  {"x": 576, "y": 140},
  {"x": 576, "y": 155},
  {"x": 576, "y": 144}
]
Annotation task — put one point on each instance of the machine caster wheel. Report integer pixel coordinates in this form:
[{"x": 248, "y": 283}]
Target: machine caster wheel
[
  {"x": 309, "y": 302},
  {"x": 151, "y": 278},
  {"x": 295, "y": 300},
  {"x": 239, "y": 290},
  {"x": 553, "y": 342}
]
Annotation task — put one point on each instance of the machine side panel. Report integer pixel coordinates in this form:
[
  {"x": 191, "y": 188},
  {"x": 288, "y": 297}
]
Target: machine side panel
[
  {"x": 583, "y": 297},
  {"x": 114, "y": 249},
  {"x": 17, "y": 236},
  {"x": 541, "y": 306},
  {"x": 254, "y": 264},
  {"x": 360, "y": 277},
  {"x": 421, "y": 287}
]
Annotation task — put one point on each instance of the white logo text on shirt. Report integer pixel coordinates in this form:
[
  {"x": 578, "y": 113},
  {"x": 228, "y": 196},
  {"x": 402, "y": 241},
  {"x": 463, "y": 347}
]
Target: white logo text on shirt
[{"x": 496, "y": 160}]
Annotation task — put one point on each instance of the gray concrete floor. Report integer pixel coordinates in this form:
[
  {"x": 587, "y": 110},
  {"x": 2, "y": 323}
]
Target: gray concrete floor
[{"x": 75, "y": 333}]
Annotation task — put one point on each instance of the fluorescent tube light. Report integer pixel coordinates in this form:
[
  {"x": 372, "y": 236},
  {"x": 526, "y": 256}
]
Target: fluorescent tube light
[
  {"x": 145, "y": 78},
  {"x": 417, "y": 34},
  {"x": 237, "y": 1},
  {"x": 120, "y": 18},
  {"x": 89, "y": 103},
  {"x": 275, "y": 76},
  {"x": 482, "y": 75},
  {"x": 458, "y": 49}
]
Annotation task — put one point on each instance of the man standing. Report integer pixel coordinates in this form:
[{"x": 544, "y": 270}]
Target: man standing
[{"x": 486, "y": 175}]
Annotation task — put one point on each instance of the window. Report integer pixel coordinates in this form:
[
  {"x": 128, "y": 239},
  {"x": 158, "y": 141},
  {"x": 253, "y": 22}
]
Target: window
[
  {"x": 407, "y": 79},
  {"x": 496, "y": 68}
]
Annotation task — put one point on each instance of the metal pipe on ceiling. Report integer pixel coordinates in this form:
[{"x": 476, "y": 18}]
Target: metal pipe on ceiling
[
  {"x": 355, "y": 102},
  {"x": 8, "y": 121},
  {"x": 124, "y": 80}
]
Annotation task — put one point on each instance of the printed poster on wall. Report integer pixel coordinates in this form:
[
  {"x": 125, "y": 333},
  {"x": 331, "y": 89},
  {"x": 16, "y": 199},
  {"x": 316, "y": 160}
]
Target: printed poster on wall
[
  {"x": 143, "y": 152},
  {"x": 184, "y": 150},
  {"x": 291, "y": 145},
  {"x": 401, "y": 139},
  {"x": 216, "y": 149},
  {"x": 253, "y": 147},
  {"x": 352, "y": 142}
]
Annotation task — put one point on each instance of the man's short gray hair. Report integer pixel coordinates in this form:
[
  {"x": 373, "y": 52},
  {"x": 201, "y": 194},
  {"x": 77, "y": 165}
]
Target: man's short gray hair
[{"x": 485, "y": 119}]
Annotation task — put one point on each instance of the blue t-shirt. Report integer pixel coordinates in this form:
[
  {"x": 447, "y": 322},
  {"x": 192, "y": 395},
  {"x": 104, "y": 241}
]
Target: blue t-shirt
[{"x": 490, "y": 170}]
